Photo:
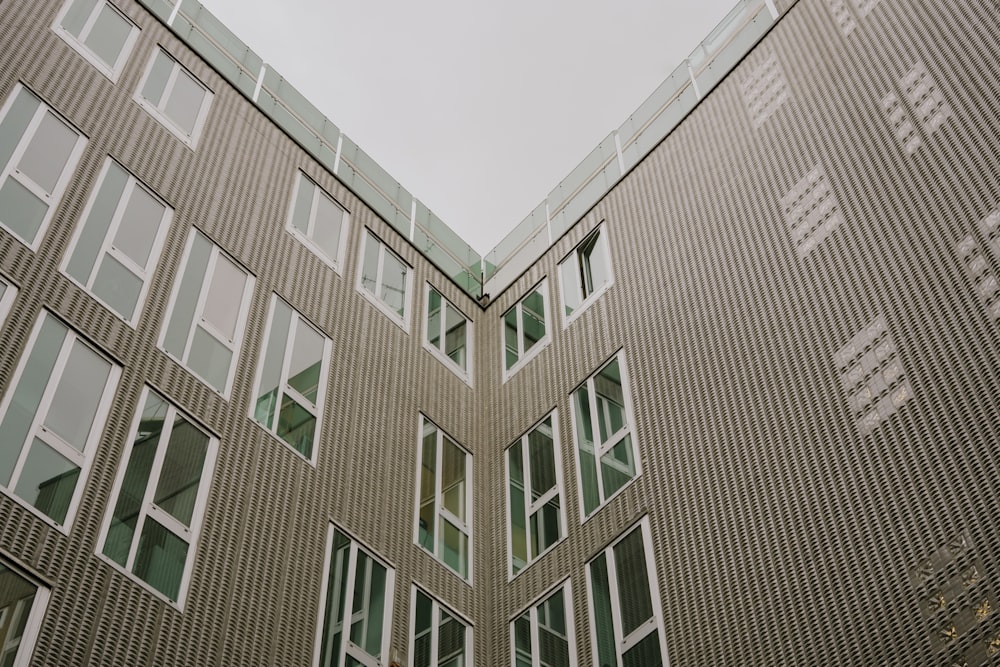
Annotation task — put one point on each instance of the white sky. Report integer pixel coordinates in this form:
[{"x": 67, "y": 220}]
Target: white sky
[{"x": 479, "y": 109}]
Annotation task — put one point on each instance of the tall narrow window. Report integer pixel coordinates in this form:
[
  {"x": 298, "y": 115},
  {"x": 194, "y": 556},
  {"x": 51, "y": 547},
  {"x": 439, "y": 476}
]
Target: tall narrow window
[
  {"x": 291, "y": 379},
  {"x": 207, "y": 314},
  {"x": 626, "y": 621},
  {"x": 174, "y": 97},
  {"x": 605, "y": 451},
  {"x": 117, "y": 244},
  {"x": 524, "y": 329},
  {"x": 7, "y": 294},
  {"x": 318, "y": 221},
  {"x": 439, "y": 638},
  {"x": 161, "y": 493},
  {"x": 585, "y": 273},
  {"x": 51, "y": 419},
  {"x": 447, "y": 334},
  {"x": 38, "y": 151},
  {"x": 356, "y": 612},
  {"x": 384, "y": 279},
  {"x": 534, "y": 494},
  {"x": 543, "y": 635},
  {"x": 444, "y": 500},
  {"x": 22, "y": 606},
  {"x": 98, "y": 32}
]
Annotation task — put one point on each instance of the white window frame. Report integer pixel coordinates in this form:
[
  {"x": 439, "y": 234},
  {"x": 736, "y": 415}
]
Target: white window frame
[
  {"x": 7, "y": 299},
  {"x": 404, "y": 321},
  {"x": 524, "y": 357},
  {"x": 565, "y": 588},
  {"x": 38, "y": 430},
  {"x": 22, "y": 656},
  {"x": 347, "y": 646},
  {"x": 153, "y": 108},
  {"x": 284, "y": 388},
  {"x": 464, "y": 373},
  {"x": 604, "y": 247},
  {"x": 108, "y": 248},
  {"x": 9, "y": 171},
  {"x": 236, "y": 345},
  {"x": 149, "y": 508},
  {"x": 436, "y": 608},
  {"x": 599, "y": 449},
  {"x": 442, "y": 514},
  {"x": 532, "y": 507},
  {"x": 335, "y": 263},
  {"x": 112, "y": 71},
  {"x": 654, "y": 624}
]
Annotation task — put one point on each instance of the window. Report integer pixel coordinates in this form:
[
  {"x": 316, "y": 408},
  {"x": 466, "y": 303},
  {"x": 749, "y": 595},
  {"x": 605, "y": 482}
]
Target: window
[
  {"x": 7, "y": 294},
  {"x": 161, "y": 492},
  {"x": 174, "y": 97},
  {"x": 543, "y": 635},
  {"x": 448, "y": 334},
  {"x": 52, "y": 416},
  {"x": 357, "y": 588},
  {"x": 117, "y": 245},
  {"x": 524, "y": 330},
  {"x": 626, "y": 621},
  {"x": 444, "y": 500},
  {"x": 534, "y": 494},
  {"x": 207, "y": 313},
  {"x": 318, "y": 221},
  {"x": 608, "y": 463},
  {"x": 22, "y": 606},
  {"x": 439, "y": 638},
  {"x": 291, "y": 379},
  {"x": 98, "y": 32},
  {"x": 586, "y": 273},
  {"x": 384, "y": 279},
  {"x": 38, "y": 151}
]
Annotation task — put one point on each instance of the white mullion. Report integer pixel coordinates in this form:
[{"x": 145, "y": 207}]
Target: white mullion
[
  {"x": 199, "y": 306},
  {"x": 439, "y": 493},
  {"x": 536, "y": 643},
  {"x": 147, "y": 496},
  {"x": 126, "y": 261},
  {"x": 106, "y": 244},
  {"x": 595, "y": 433},
  {"x": 521, "y": 347},
  {"x": 348, "y": 588},
  {"x": 22, "y": 148},
  {"x": 378, "y": 271},
  {"x": 286, "y": 363},
  {"x": 88, "y": 26},
  {"x": 543, "y": 500},
  {"x": 321, "y": 618},
  {"x": 168, "y": 87},
  {"x": 169, "y": 522},
  {"x": 615, "y": 599},
  {"x": 526, "y": 490},
  {"x": 435, "y": 622},
  {"x": 313, "y": 208}
]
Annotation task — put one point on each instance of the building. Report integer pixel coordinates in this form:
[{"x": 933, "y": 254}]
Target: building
[{"x": 733, "y": 397}]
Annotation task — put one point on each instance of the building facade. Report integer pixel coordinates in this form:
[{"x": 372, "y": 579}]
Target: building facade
[{"x": 743, "y": 410}]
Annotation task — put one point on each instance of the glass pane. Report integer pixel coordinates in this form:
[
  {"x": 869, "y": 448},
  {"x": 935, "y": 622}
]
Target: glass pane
[
  {"x": 610, "y": 401},
  {"x": 139, "y": 226},
  {"x": 108, "y": 37},
  {"x": 455, "y": 546},
  {"x": 585, "y": 447},
  {"x": 522, "y": 641},
  {"x": 225, "y": 296},
  {"x": 156, "y": 82},
  {"x": 393, "y": 283},
  {"x": 369, "y": 267},
  {"x": 274, "y": 360},
  {"x": 16, "y": 424},
  {"x": 542, "y": 460},
  {"x": 296, "y": 426},
  {"x": 336, "y": 596},
  {"x": 617, "y": 466},
  {"x": 15, "y": 122},
  {"x": 510, "y": 338},
  {"x": 451, "y": 641},
  {"x": 533, "y": 317},
  {"x": 644, "y": 654},
  {"x": 570, "y": 279},
  {"x": 48, "y": 152},
  {"x": 180, "y": 477},
  {"x": 160, "y": 559},
  {"x": 601, "y": 609},
  {"x": 593, "y": 263},
  {"x": 21, "y": 211},
  {"x": 210, "y": 359},
  {"x": 306, "y": 362},
  {"x": 184, "y": 102},
  {"x": 428, "y": 474},
  {"x": 454, "y": 341},
  {"x": 423, "y": 617},
  {"x": 191, "y": 284},
  {"x": 552, "y": 613},
  {"x": 98, "y": 222},
  {"x": 140, "y": 463},
  {"x": 327, "y": 229},
  {"x": 16, "y": 594},
  {"x": 545, "y": 527},
  {"x": 81, "y": 387},
  {"x": 48, "y": 481},
  {"x": 77, "y": 15},
  {"x": 518, "y": 510},
  {"x": 118, "y": 287},
  {"x": 633, "y": 583},
  {"x": 369, "y": 608},
  {"x": 434, "y": 318},
  {"x": 453, "y": 479},
  {"x": 303, "y": 204}
]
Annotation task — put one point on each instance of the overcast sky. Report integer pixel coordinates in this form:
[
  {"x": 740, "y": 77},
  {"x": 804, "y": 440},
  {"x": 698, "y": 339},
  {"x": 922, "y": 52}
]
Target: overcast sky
[{"x": 478, "y": 108}]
